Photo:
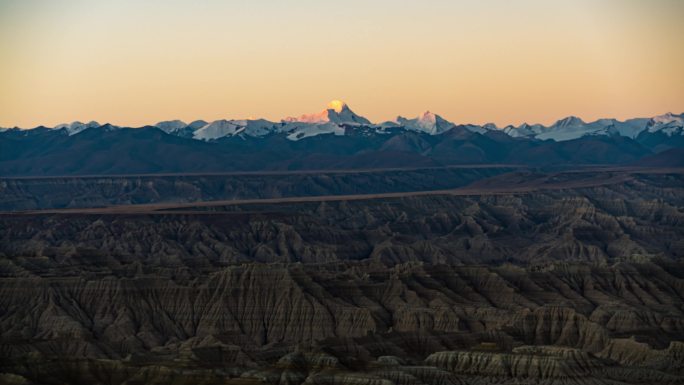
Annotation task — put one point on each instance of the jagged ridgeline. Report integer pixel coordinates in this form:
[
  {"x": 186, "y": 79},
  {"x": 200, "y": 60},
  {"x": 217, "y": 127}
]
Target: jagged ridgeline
[
  {"x": 335, "y": 138},
  {"x": 564, "y": 278}
]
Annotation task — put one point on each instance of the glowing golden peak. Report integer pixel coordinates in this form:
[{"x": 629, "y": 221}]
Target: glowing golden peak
[{"x": 337, "y": 105}]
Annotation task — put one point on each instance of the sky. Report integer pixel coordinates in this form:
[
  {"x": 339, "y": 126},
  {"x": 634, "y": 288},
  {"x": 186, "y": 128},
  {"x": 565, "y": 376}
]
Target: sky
[{"x": 137, "y": 62}]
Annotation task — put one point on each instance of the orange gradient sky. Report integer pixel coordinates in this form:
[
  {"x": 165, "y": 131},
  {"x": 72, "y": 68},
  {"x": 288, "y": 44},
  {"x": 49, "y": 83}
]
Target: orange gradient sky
[{"x": 472, "y": 61}]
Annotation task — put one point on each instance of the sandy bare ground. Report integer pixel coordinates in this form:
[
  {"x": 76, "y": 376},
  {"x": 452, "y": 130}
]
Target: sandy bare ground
[{"x": 519, "y": 182}]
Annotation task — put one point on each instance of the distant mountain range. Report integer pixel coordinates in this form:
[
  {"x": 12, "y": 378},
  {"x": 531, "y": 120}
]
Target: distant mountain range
[{"x": 332, "y": 139}]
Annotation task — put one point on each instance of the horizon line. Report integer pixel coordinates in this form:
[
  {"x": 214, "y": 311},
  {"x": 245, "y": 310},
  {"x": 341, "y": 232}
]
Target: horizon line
[{"x": 281, "y": 120}]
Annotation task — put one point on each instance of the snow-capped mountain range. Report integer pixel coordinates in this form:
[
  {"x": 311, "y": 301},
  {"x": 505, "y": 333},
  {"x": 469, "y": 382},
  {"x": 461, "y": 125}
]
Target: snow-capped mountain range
[
  {"x": 337, "y": 118},
  {"x": 573, "y": 127},
  {"x": 335, "y": 138},
  {"x": 76, "y": 127}
]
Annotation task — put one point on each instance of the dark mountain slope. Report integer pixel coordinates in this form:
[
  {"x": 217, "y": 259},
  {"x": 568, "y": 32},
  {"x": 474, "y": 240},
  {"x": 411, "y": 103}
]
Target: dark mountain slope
[
  {"x": 670, "y": 158},
  {"x": 99, "y": 151},
  {"x": 107, "y": 150},
  {"x": 659, "y": 141},
  {"x": 585, "y": 150}
]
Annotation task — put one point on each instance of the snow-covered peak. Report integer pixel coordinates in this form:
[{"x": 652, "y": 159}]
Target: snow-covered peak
[
  {"x": 428, "y": 118},
  {"x": 629, "y": 128},
  {"x": 76, "y": 127},
  {"x": 217, "y": 129},
  {"x": 569, "y": 122},
  {"x": 223, "y": 128},
  {"x": 337, "y": 106},
  {"x": 338, "y": 119},
  {"x": 428, "y": 122},
  {"x": 524, "y": 130},
  {"x": 573, "y": 128},
  {"x": 300, "y": 130},
  {"x": 669, "y": 124},
  {"x": 333, "y": 120},
  {"x": 565, "y": 132},
  {"x": 336, "y": 112},
  {"x": 667, "y": 118},
  {"x": 169, "y": 126},
  {"x": 258, "y": 127},
  {"x": 606, "y": 122},
  {"x": 321, "y": 117}
]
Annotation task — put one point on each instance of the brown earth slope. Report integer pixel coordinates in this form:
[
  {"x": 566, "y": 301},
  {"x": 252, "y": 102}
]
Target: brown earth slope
[{"x": 562, "y": 285}]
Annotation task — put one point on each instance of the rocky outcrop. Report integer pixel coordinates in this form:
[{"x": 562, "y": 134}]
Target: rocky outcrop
[
  {"x": 316, "y": 318},
  {"x": 598, "y": 225},
  {"x": 538, "y": 363},
  {"x": 582, "y": 285},
  {"x": 542, "y": 365},
  {"x": 632, "y": 353}
]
